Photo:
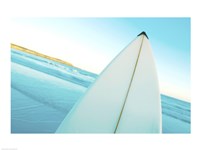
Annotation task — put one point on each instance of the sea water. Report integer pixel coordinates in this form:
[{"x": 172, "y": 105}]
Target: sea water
[{"x": 44, "y": 91}]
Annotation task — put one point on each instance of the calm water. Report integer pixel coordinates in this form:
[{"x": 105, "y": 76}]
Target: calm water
[{"x": 43, "y": 92}]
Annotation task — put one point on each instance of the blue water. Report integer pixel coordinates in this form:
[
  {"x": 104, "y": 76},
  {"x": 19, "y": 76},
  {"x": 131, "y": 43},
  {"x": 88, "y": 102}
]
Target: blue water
[{"x": 44, "y": 91}]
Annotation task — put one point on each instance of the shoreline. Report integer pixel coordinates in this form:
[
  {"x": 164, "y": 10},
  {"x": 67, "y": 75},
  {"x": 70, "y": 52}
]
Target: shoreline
[{"x": 26, "y": 50}]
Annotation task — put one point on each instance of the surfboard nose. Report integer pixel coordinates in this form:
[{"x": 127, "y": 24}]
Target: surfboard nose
[{"x": 143, "y": 33}]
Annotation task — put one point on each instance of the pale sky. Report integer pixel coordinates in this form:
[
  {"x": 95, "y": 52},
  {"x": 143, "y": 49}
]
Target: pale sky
[{"x": 91, "y": 43}]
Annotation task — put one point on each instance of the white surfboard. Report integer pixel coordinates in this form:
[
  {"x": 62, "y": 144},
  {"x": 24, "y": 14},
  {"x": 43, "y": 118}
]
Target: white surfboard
[{"x": 124, "y": 99}]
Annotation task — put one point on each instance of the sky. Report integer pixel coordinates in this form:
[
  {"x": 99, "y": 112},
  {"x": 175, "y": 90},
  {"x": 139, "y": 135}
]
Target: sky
[{"x": 91, "y": 43}]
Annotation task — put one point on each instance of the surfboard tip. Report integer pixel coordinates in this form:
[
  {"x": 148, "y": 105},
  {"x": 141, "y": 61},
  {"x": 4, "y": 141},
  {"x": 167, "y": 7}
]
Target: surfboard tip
[{"x": 143, "y": 33}]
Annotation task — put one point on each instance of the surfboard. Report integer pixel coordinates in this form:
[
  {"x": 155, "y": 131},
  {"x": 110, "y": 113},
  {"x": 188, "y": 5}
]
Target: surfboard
[{"x": 124, "y": 99}]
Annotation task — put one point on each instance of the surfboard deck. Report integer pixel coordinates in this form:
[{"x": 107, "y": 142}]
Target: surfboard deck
[{"x": 124, "y": 99}]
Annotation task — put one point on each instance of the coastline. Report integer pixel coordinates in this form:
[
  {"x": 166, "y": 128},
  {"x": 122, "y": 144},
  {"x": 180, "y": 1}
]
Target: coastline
[{"x": 26, "y": 50}]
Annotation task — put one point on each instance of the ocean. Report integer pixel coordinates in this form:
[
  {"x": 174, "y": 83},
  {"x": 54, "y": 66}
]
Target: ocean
[{"x": 43, "y": 92}]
